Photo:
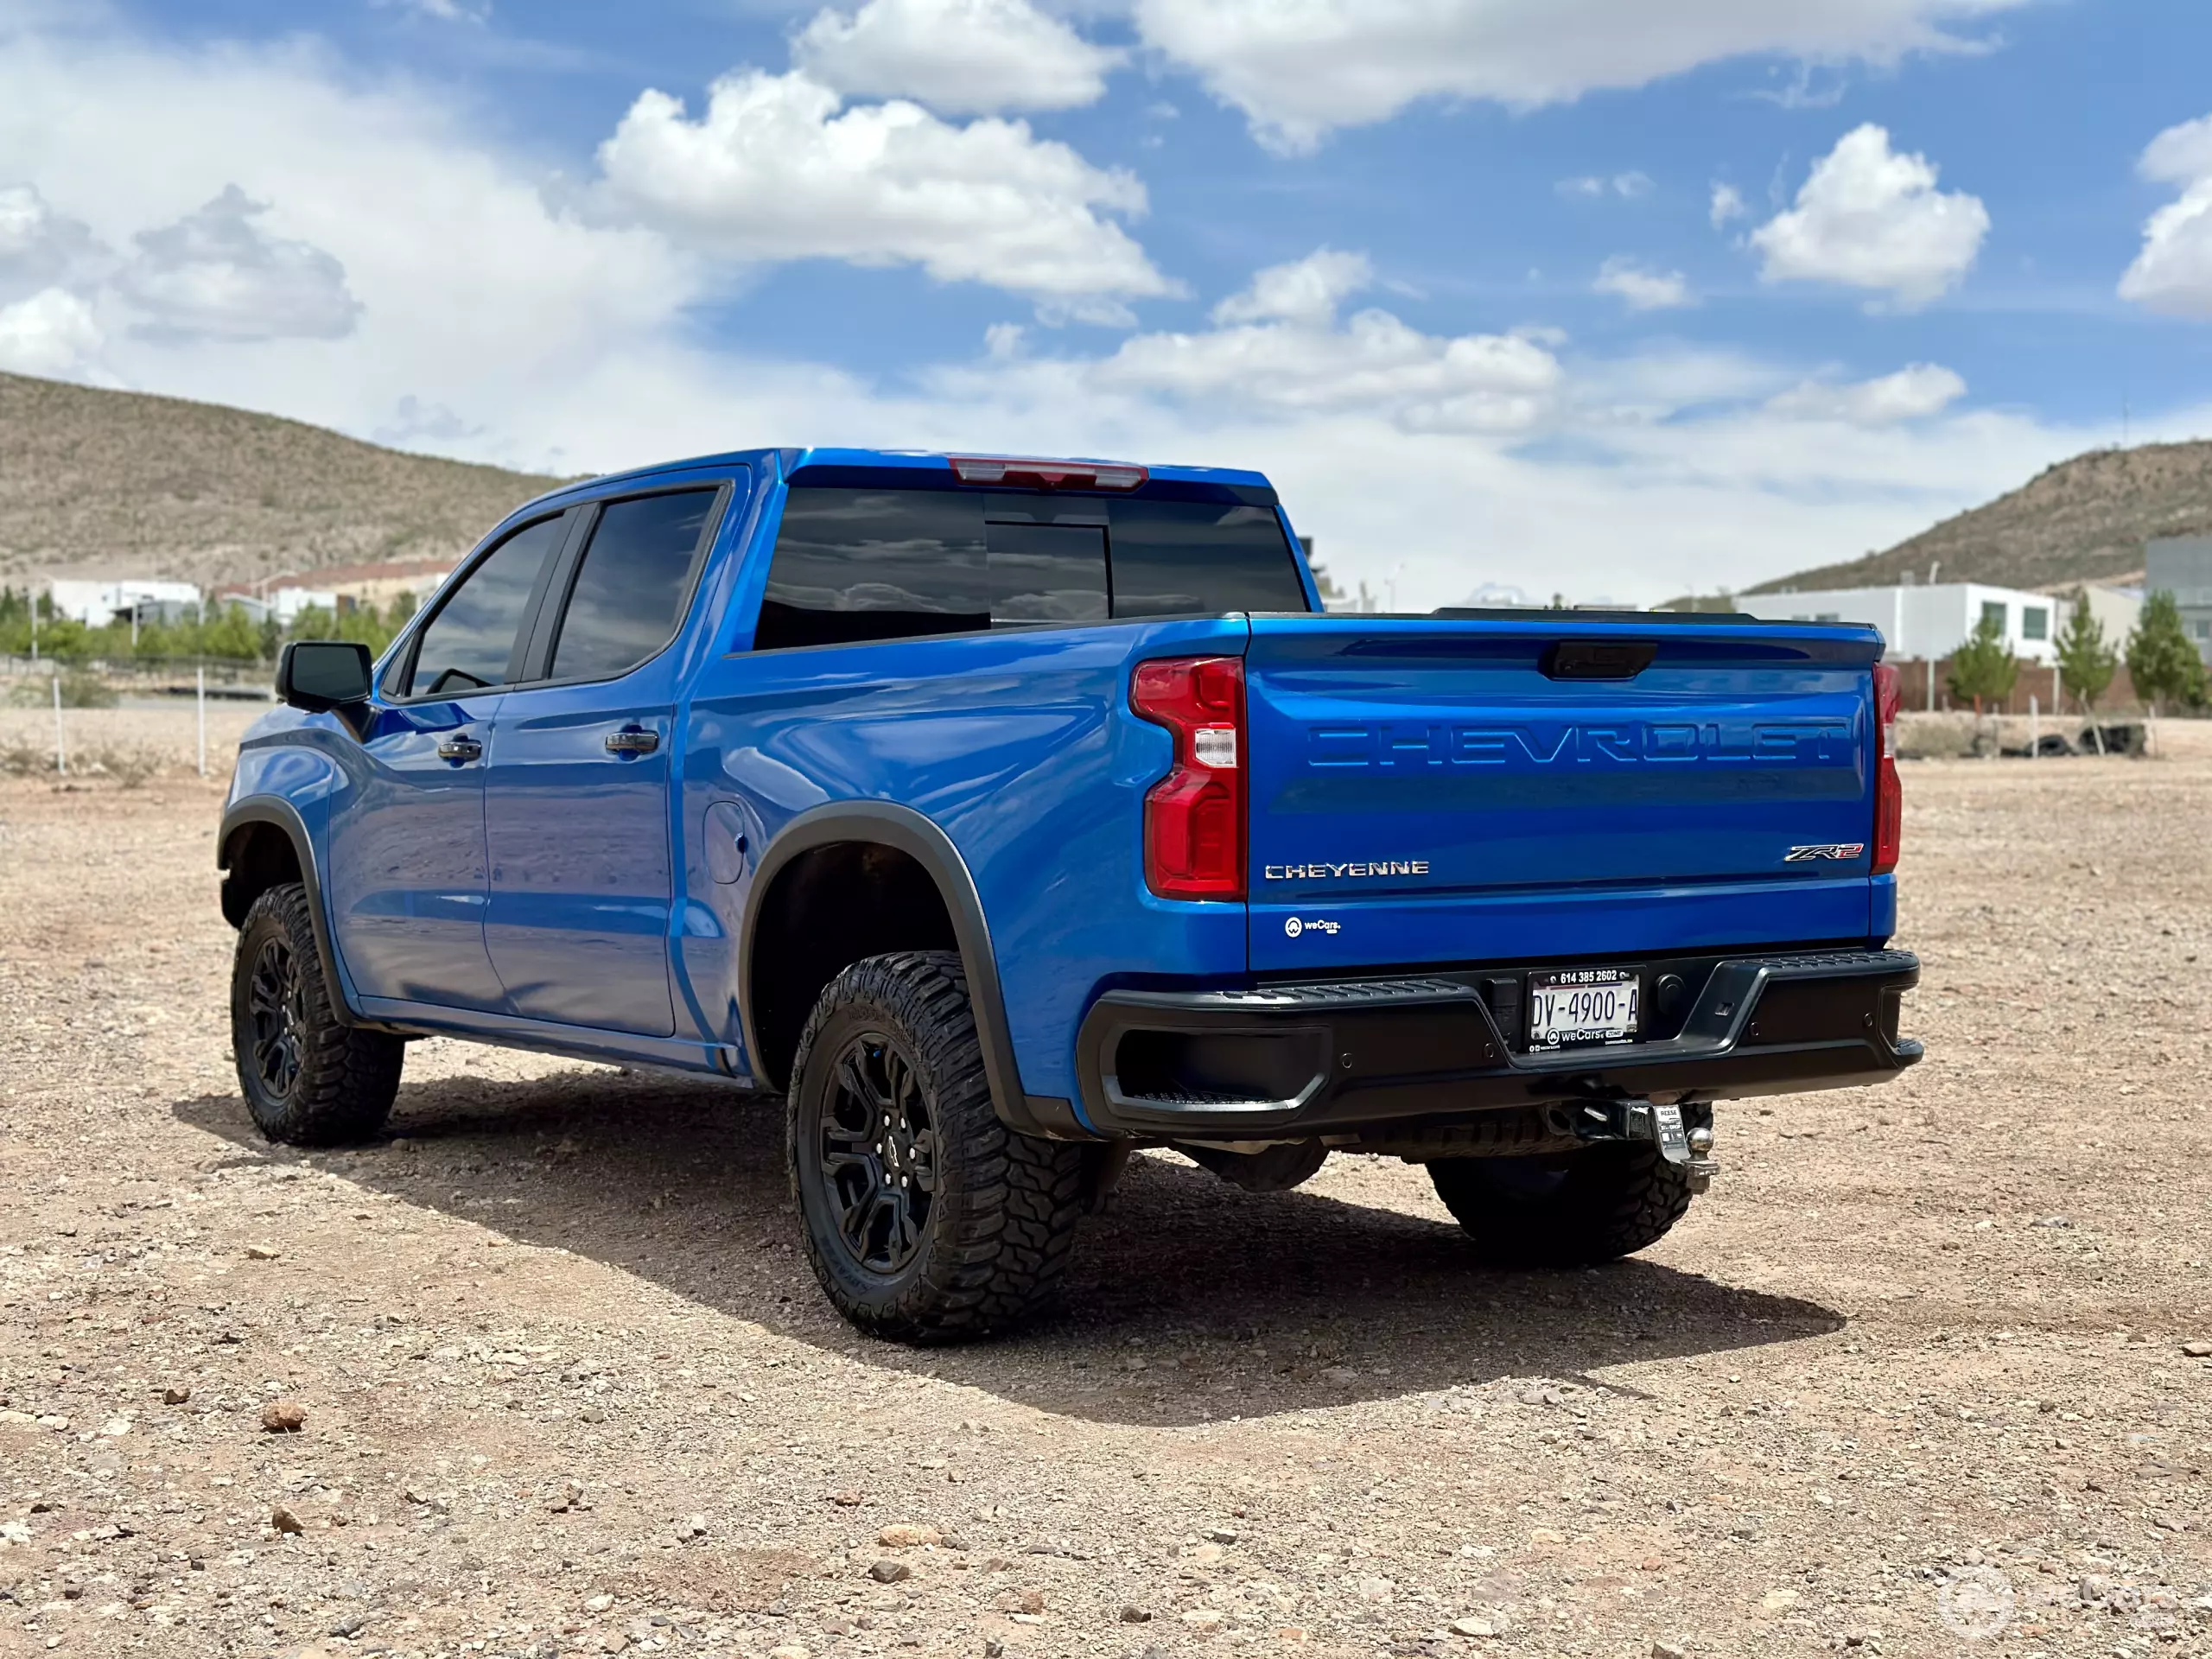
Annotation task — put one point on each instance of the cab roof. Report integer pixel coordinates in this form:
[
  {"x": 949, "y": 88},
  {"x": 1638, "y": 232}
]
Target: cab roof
[{"x": 920, "y": 467}]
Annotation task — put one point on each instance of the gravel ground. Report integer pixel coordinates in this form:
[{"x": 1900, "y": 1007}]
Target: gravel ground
[
  {"x": 126, "y": 744},
  {"x": 1914, "y": 1379}
]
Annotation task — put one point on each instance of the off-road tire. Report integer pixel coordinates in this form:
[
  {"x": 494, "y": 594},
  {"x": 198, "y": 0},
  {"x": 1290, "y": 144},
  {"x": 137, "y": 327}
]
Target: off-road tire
[
  {"x": 337, "y": 1082},
  {"x": 1002, "y": 1207},
  {"x": 1563, "y": 1209}
]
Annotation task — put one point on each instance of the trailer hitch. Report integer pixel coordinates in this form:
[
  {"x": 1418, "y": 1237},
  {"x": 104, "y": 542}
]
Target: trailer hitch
[{"x": 1682, "y": 1131}]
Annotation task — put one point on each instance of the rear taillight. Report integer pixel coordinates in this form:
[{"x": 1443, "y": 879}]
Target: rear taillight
[
  {"x": 1889, "y": 793},
  {"x": 1194, "y": 817}
]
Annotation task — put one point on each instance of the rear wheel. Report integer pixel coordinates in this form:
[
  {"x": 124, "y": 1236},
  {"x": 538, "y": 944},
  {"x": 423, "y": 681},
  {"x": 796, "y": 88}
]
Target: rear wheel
[
  {"x": 309, "y": 1080},
  {"x": 926, "y": 1219},
  {"x": 1564, "y": 1208}
]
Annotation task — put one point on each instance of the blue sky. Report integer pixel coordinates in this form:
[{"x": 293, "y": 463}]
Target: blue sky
[{"x": 1593, "y": 296}]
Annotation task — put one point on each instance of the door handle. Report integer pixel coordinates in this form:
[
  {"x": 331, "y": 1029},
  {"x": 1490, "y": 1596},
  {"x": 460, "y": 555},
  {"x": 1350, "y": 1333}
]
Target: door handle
[
  {"x": 632, "y": 740},
  {"x": 460, "y": 750}
]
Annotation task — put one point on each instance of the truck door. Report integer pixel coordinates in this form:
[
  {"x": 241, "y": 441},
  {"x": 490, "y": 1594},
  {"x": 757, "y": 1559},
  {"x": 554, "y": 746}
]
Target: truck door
[
  {"x": 576, "y": 781},
  {"x": 407, "y": 869}
]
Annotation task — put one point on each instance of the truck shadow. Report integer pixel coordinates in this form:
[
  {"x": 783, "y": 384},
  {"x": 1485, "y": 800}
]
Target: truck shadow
[{"x": 1190, "y": 1301}]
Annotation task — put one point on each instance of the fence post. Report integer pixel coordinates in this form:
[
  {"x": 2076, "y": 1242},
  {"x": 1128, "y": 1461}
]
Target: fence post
[
  {"x": 61, "y": 746},
  {"x": 2035, "y": 727},
  {"x": 202, "y": 708}
]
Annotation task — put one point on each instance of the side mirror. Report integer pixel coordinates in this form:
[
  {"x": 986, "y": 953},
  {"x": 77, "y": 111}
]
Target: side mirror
[{"x": 319, "y": 675}]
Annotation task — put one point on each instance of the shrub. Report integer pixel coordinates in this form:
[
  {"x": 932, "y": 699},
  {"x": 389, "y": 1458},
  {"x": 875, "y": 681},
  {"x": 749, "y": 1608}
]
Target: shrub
[
  {"x": 2085, "y": 661},
  {"x": 2161, "y": 658},
  {"x": 1983, "y": 669}
]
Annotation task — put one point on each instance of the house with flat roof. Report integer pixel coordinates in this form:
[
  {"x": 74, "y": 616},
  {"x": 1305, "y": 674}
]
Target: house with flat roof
[
  {"x": 1930, "y": 622},
  {"x": 2182, "y": 566},
  {"x": 97, "y": 604}
]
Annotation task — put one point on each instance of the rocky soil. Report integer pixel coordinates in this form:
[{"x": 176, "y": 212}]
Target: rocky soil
[{"x": 1929, "y": 1372}]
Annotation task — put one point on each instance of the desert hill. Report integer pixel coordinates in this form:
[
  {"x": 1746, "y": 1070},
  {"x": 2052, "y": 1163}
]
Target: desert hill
[
  {"x": 104, "y": 484},
  {"x": 2081, "y": 520}
]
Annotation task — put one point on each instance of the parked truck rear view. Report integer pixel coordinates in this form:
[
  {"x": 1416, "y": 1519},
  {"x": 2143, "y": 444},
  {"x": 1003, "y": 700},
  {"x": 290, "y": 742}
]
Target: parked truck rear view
[{"x": 1010, "y": 816}]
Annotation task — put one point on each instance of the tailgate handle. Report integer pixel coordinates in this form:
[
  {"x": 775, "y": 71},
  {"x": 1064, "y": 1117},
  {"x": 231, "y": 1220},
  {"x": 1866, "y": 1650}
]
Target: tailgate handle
[{"x": 1597, "y": 659}]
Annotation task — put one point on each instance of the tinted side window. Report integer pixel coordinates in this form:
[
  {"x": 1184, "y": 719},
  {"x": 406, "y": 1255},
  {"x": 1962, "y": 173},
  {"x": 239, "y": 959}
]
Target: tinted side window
[
  {"x": 631, "y": 587},
  {"x": 1175, "y": 558},
  {"x": 469, "y": 643}
]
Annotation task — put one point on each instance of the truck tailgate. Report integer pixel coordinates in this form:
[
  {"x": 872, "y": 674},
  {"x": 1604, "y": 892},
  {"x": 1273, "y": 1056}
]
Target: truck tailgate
[{"x": 1545, "y": 787}]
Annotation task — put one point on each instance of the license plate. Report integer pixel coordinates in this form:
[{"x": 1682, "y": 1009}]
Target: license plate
[{"x": 1571, "y": 1006}]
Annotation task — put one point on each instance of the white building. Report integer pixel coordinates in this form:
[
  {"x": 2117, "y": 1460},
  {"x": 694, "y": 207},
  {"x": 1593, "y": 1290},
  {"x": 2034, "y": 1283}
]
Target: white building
[
  {"x": 283, "y": 603},
  {"x": 2182, "y": 566},
  {"x": 96, "y": 604},
  {"x": 1932, "y": 622}
]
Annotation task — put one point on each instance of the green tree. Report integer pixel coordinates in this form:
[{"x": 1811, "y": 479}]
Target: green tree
[
  {"x": 2084, "y": 658},
  {"x": 158, "y": 641},
  {"x": 361, "y": 624},
  {"x": 1983, "y": 669},
  {"x": 2161, "y": 659},
  {"x": 66, "y": 639},
  {"x": 231, "y": 636}
]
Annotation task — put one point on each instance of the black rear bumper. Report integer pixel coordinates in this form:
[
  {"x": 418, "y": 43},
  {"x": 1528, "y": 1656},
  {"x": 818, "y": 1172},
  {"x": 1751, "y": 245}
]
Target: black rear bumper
[{"x": 1350, "y": 1055}]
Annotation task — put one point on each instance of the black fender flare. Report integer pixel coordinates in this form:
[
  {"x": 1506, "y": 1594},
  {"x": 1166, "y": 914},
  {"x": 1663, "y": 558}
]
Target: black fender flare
[
  {"x": 276, "y": 810},
  {"x": 908, "y": 832}
]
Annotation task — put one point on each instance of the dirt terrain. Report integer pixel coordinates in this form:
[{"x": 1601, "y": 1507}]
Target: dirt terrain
[{"x": 1924, "y": 1374}]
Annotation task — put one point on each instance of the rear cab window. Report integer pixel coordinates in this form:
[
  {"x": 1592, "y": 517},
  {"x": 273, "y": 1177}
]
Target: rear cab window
[{"x": 859, "y": 564}]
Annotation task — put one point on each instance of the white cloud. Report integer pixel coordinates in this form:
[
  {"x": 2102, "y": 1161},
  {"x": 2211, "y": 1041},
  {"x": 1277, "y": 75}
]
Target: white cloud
[
  {"x": 1643, "y": 290},
  {"x": 215, "y": 274},
  {"x": 52, "y": 333},
  {"x": 1279, "y": 350},
  {"x": 966, "y": 57},
  {"x": 1727, "y": 204},
  {"x": 774, "y": 170},
  {"x": 1306, "y": 290},
  {"x": 2173, "y": 272},
  {"x": 475, "y": 295},
  {"x": 496, "y": 326},
  {"x": 1631, "y": 185},
  {"x": 1868, "y": 216},
  {"x": 41, "y": 249},
  {"x": 1913, "y": 393},
  {"x": 1297, "y": 70},
  {"x": 444, "y": 11},
  {"x": 1698, "y": 488}
]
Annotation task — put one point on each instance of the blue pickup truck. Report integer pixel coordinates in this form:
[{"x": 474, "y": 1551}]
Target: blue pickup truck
[{"x": 1007, "y": 816}]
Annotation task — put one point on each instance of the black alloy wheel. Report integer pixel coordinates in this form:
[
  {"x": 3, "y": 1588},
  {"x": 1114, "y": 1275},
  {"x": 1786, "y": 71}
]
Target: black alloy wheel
[
  {"x": 925, "y": 1219},
  {"x": 309, "y": 1078},
  {"x": 274, "y": 999},
  {"x": 878, "y": 1162}
]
